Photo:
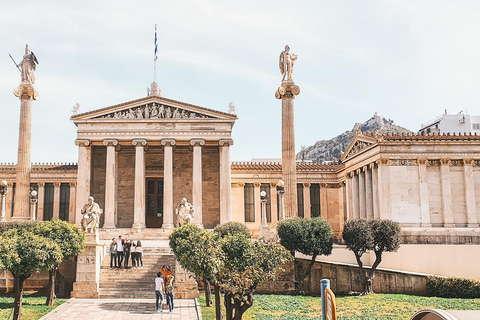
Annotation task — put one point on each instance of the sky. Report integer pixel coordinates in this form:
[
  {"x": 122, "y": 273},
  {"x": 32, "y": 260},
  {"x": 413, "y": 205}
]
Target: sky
[{"x": 406, "y": 60}]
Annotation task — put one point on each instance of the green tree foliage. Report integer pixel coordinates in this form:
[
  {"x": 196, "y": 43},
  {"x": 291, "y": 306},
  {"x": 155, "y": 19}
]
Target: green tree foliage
[
  {"x": 27, "y": 225},
  {"x": 22, "y": 253},
  {"x": 231, "y": 228},
  {"x": 311, "y": 237},
  {"x": 247, "y": 265},
  {"x": 377, "y": 235},
  {"x": 71, "y": 241}
]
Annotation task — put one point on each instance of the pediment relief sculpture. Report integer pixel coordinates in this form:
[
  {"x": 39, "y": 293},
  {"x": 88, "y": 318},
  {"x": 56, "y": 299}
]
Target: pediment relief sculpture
[
  {"x": 358, "y": 147},
  {"x": 154, "y": 111}
]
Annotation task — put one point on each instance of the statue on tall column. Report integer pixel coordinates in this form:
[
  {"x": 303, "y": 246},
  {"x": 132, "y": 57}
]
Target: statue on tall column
[
  {"x": 91, "y": 216},
  {"x": 286, "y": 63},
  {"x": 28, "y": 65},
  {"x": 185, "y": 213}
]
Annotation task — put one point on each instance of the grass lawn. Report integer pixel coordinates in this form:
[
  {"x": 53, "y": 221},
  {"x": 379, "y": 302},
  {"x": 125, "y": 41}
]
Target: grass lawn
[
  {"x": 371, "y": 307},
  {"x": 33, "y": 306}
]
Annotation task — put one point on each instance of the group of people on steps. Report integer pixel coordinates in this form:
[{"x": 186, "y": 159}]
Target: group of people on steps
[{"x": 122, "y": 250}]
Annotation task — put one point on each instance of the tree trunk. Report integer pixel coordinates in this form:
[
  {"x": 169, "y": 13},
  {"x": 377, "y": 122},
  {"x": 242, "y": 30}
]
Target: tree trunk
[
  {"x": 300, "y": 278},
  {"x": 18, "y": 284},
  {"x": 242, "y": 306},
  {"x": 369, "y": 279},
  {"x": 363, "y": 275},
  {"x": 51, "y": 287},
  {"x": 228, "y": 306},
  {"x": 208, "y": 293},
  {"x": 218, "y": 304}
]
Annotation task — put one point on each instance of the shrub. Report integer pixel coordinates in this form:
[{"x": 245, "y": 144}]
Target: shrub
[
  {"x": 232, "y": 228},
  {"x": 453, "y": 287}
]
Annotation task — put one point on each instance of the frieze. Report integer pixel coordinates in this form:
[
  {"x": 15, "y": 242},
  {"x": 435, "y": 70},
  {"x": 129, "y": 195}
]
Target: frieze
[
  {"x": 433, "y": 163},
  {"x": 154, "y": 111},
  {"x": 402, "y": 162},
  {"x": 456, "y": 163}
]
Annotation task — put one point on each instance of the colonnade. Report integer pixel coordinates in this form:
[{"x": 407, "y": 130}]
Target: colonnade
[{"x": 84, "y": 173}]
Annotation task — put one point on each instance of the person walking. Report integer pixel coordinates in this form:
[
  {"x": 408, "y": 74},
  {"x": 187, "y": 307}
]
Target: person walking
[
  {"x": 113, "y": 254},
  {"x": 139, "y": 254},
  {"x": 159, "y": 291},
  {"x": 126, "y": 252},
  {"x": 119, "y": 251},
  {"x": 169, "y": 291}
]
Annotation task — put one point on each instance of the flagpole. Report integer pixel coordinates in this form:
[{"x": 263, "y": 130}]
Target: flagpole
[{"x": 155, "y": 57}]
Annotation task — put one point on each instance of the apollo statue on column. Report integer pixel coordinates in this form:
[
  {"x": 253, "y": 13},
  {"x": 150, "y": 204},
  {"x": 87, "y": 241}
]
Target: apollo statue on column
[{"x": 286, "y": 62}]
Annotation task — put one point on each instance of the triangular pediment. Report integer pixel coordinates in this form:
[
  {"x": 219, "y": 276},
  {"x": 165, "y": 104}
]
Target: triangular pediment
[
  {"x": 358, "y": 144},
  {"x": 154, "y": 108}
]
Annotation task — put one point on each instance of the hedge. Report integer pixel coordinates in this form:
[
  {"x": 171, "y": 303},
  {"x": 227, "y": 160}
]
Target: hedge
[{"x": 453, "y": 287}]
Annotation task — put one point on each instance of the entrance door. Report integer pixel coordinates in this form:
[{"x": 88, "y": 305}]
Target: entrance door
[{"x": 154, "y": 206}]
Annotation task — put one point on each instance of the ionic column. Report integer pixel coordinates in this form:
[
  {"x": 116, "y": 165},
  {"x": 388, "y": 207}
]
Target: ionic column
[
  {"x": 423, "y": 186},
  {"x": 470, "y": 193},
  {"x": 306, "y": 200},
  {"x": 41, "y": 200},
  {"x": 446, "y": 193},
  {"x": 139, "y": 197},
  {"x": 368, "y": 194},
  {"x": 258, "y": 207},
  {"x": 71, "y": 205},
  {"x": 168, "y": 183},
  {"x": 56, "y": 200},
  {"x": 225, "y": 181},
  {"x": 83, "y": 177},
  {"x": 356, "y": 195},
  {"x": 110, "y": 191},
  {"x": 375, "y": 188},
  {"x": 197, "y": 191},
  {"x": 273, "y": 203},
  {"x": 26, "y": 93},
  {"x": 349, "y": 202},
  {"x": 361, "y": 195},
  {"x": 323, "y": 201}
]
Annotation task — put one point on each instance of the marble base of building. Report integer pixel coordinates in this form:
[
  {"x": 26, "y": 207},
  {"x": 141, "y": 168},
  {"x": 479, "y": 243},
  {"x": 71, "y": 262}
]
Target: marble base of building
[{"x": 88, "y": 269}]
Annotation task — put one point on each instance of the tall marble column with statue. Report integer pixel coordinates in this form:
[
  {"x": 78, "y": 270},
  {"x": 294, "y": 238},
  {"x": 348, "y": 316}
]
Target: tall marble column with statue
[
  {"x": 26, "y": 93},
  {"x": 287, "y": 93}
]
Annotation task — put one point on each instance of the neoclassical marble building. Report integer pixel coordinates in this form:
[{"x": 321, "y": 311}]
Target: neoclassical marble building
[{"x": 139, "y": 158}]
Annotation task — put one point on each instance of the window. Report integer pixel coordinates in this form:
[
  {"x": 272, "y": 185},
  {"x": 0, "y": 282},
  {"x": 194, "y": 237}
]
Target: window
[
  {"x": 300, "y": 204},
  {"x": 48, "y": 202},
  {"x": 249, "y": 202},
  {"x": 64, "y": 201},
  {"x": 476, "y": 126},
  {"x": 266, "y": 187},
  {"x": 315, "y": 200}
]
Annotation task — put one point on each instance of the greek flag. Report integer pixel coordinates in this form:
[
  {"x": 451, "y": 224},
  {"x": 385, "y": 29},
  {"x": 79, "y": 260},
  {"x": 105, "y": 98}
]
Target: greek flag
[{"x": 156, "y": 45}]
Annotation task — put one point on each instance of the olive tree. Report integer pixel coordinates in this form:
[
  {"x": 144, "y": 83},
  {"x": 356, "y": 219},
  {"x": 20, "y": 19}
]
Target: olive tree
[
  {"x": 197, "y": 251},
  {"x": 71, "y": 241},
  {"x": 311, "y": 237},
  {"x": 378, "y": 236},
  {"x": 22, "y": 253}
]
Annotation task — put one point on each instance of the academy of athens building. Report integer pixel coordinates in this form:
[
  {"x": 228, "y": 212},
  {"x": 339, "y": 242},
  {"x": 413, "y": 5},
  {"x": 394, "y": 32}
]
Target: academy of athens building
[{"x": 139, "y": 159}]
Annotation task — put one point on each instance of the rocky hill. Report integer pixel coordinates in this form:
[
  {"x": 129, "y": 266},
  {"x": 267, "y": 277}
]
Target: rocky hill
[{"x": 330, "y": 150}]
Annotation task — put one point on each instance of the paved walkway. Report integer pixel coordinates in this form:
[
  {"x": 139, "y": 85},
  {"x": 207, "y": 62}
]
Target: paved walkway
[{"x": 121, "y": 309}]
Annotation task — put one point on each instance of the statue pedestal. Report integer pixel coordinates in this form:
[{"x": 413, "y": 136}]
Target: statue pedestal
[
  {"x": 88, "y": 269},
  {"x": 265, "y": 232}
]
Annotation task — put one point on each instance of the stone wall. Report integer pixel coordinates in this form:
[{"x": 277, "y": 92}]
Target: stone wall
[
  {"x": 345, "y": 278},
  {"x": 211, "y": 186},
  {"x": 435, "y": 196},
  {"x": 405, "y": 194},
  {"x": 125, "y": 177},
  {"x": 457, "y": 183}
]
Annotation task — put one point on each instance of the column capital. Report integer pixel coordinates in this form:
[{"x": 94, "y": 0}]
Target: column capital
[
  {"x": 225, "y": 142},
  {"x": 445, "y": 162},
  {"x": 110, "y": 142},
  {"x": 26, "y": 91},
  {"x": 197, "y": 142},
  {"x": 9, "y": 184},
  {"x": 288, "y": 89},
  {"x": 57, "y": 184},
  {"x": 72, "y": 184},
  {"x": 168, "y": 142},
  {"x": 371, "y": 165},
  {"x": 357, "y": 171},
  {"x": 468, "y": 162},
  {"x": 82, "y": 142},
  {"x": 422, "y": 162},
  {"x": 257, "y": 184},
  {"x": 364, "y": 168},
  {"x": 307, "y": 184},
  {"x": 139, "y": 142},
  {"x": 273, "y": 184},
  {"x": 350, "y": 175},
  {"x": 41, "y": 184},
  {"x": 382, "y": 161}
]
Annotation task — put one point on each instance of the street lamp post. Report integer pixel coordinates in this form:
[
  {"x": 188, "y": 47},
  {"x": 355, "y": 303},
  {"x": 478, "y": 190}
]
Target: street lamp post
[
  {"x": 264, "y": 228},
  {"x": 33, "y": 204},
  {"x": 281, "y": 193},
  {"x": 3, "y": 192}
]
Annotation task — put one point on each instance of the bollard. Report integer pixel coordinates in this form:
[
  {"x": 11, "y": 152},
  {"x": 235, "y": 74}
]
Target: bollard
[{"x": 324, "y": 283}]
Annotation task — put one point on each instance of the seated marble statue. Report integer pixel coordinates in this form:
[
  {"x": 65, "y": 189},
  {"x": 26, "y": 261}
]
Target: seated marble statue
[
  {"x": 185, "y": 213},
  {"x": 91, "y": 216}
]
